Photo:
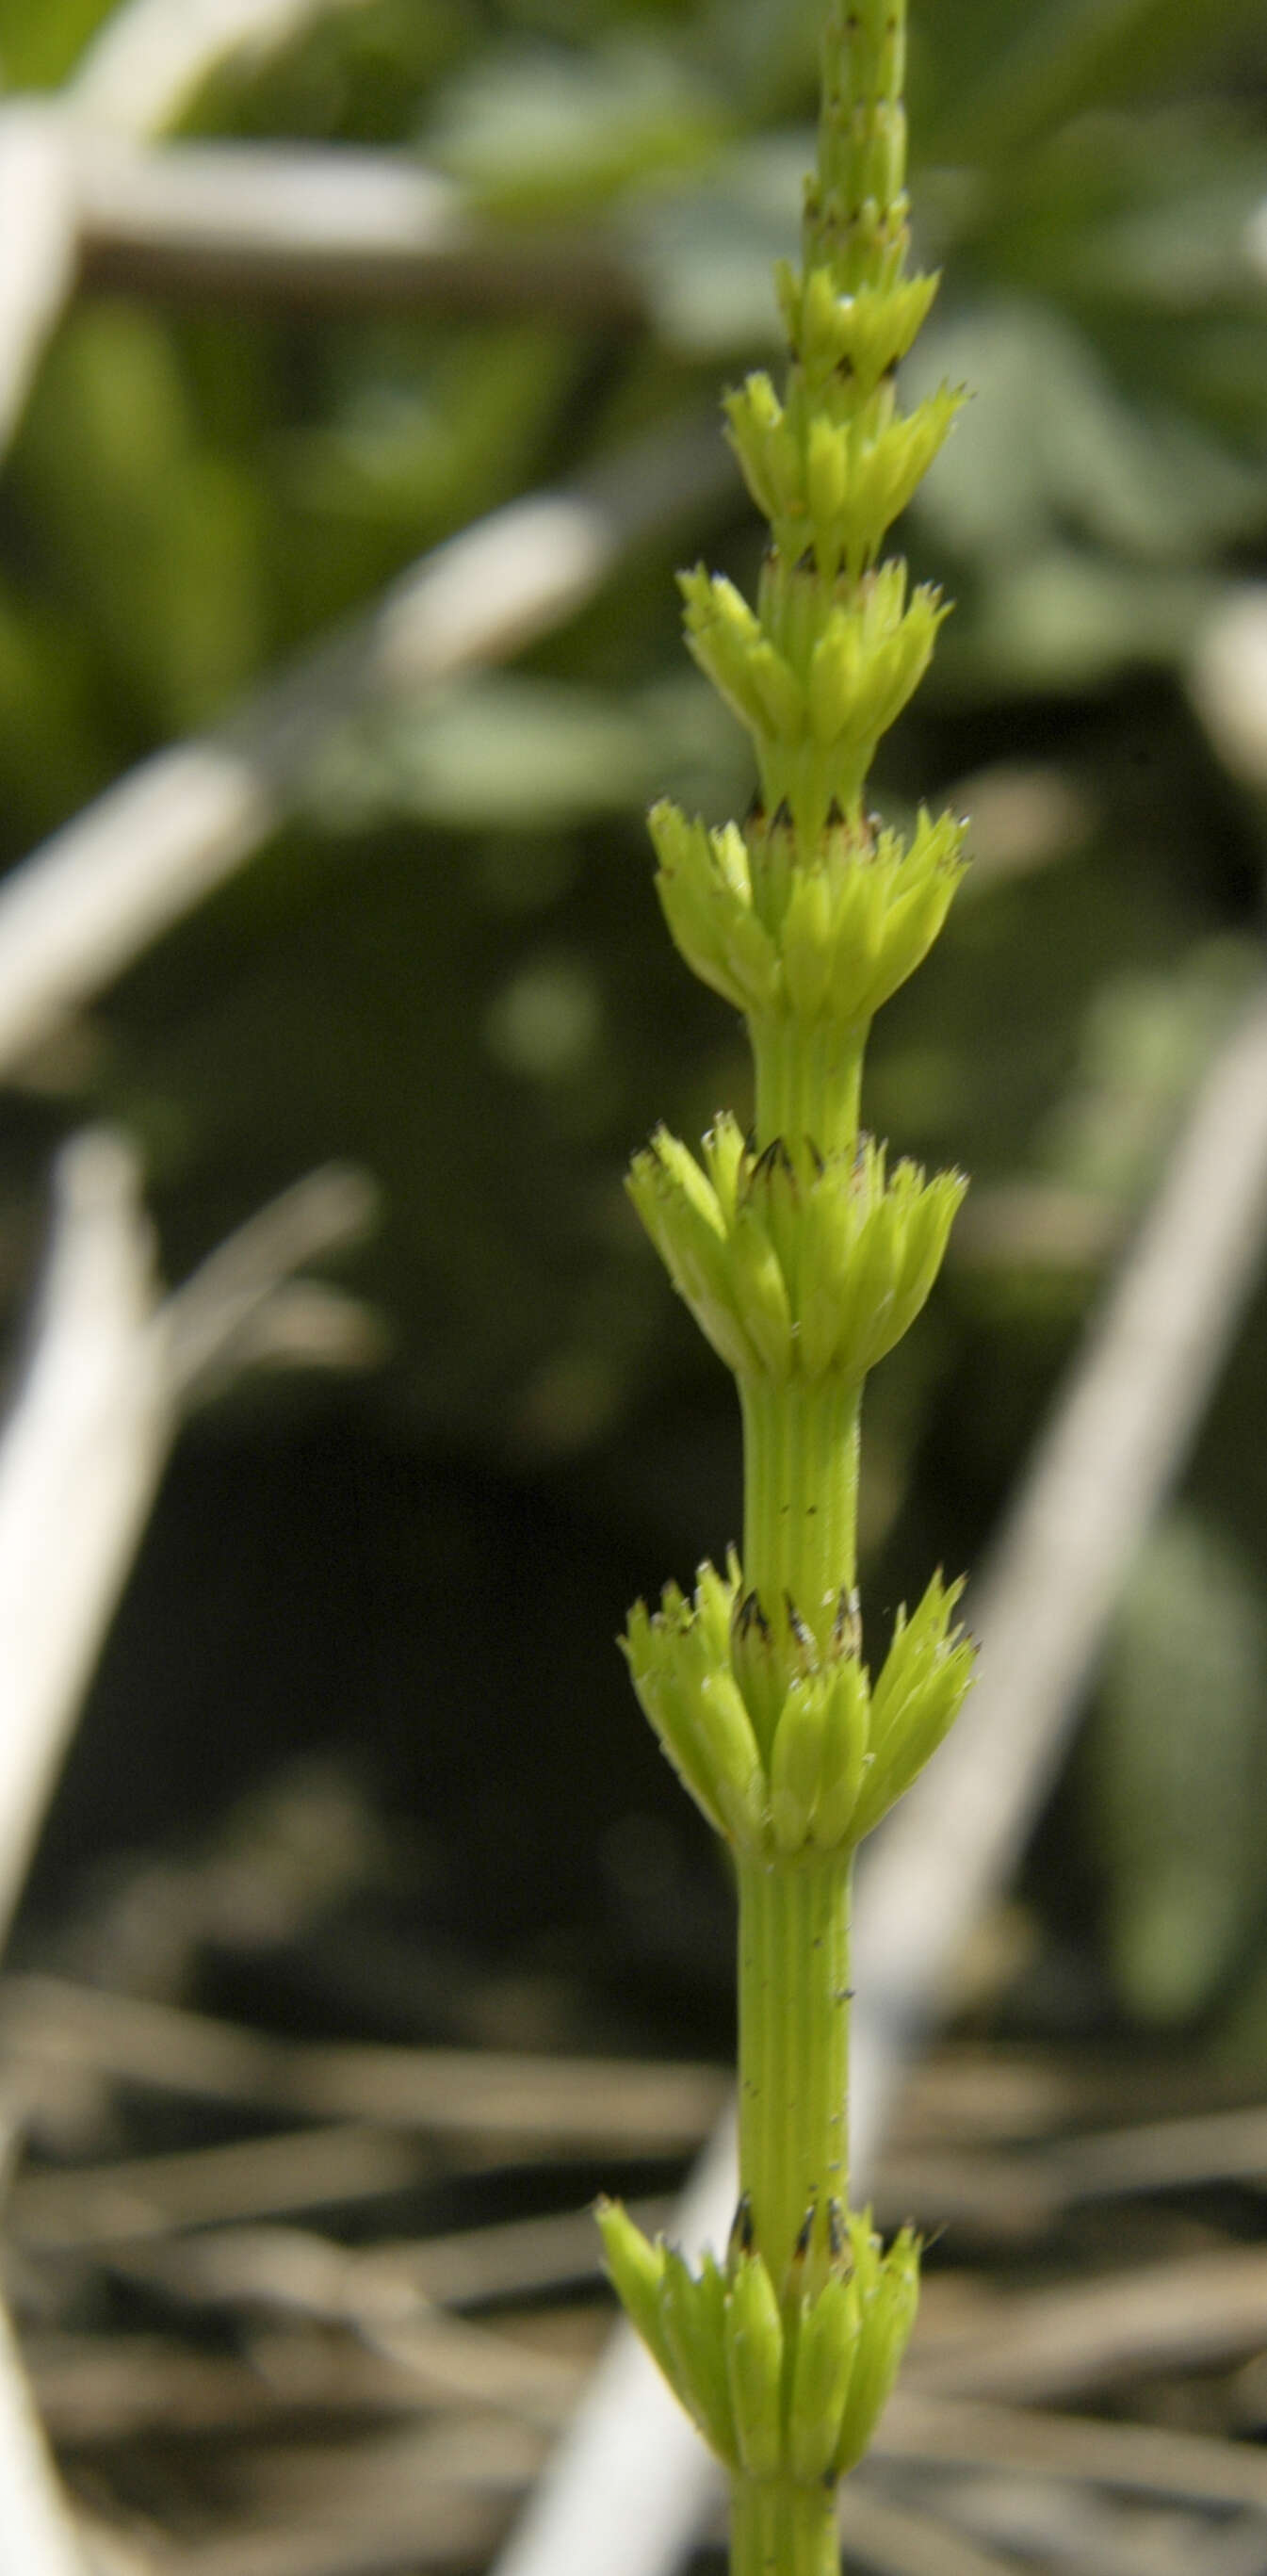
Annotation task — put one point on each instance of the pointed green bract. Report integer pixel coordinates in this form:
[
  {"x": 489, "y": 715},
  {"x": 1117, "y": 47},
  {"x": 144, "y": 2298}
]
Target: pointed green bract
[
  {"x": 691, "y": 2320},
  {"x": 817, "y": 673},
  {"x": 794, "y": 1267},
  {"x": 753, "y": 2340},
  {"x": 886, "y": 2287},
  {"x": 922, "y": 1686},
  {"x": 778, "y": 2392},
  {"x": 680, "y": 1662},
  {"x": 805, "y": 1255},
  {"x": 635, "y": 2269},
  {"x": 828, "y": 940},
  {"x": 787, "y": 1747},
  {"x": 858, "y": 337},
  {"x": 831, "y": 475},
  {"x": 826, "y": 2346}
]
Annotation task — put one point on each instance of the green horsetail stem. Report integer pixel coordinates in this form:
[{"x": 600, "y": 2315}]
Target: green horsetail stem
[{"x": 804, "y": 1255}]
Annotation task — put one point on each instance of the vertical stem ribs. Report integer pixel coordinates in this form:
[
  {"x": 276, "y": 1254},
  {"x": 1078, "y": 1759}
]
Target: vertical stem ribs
[
  {"x": 778, "y": 2529},
  {"x": 793, "y": 2056}
]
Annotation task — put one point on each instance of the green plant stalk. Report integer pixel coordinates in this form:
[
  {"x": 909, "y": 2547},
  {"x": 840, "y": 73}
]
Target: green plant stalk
[
  {"x": 808, "y": 1082},
  {"x": 793, "y": 2051},
  {"x": 778, "y": 2528},
  {"x": 801, "y": 1446},
  {"x": 804, "y": 1258},
  {"x": 801, "y": 1458}
]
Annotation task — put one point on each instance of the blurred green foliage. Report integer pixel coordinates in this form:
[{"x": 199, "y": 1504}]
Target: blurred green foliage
[
  {"x": 450, "y": 966},
  {"x": 1179, "y": 1768}
]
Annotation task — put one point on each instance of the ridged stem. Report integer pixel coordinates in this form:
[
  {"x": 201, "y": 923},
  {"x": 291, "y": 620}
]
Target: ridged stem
[
  {"x": 793, "y": 2047},
  {"x": 801, "y": 1496},
  {"x": 808, "y": 1082},
  {"x": 777, "y": 2529},
  {"x": 855, "y": 214}
]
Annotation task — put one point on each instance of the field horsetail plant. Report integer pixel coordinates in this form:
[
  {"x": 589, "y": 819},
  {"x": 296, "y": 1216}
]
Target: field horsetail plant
[{"x": 804, "y": 1257}]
